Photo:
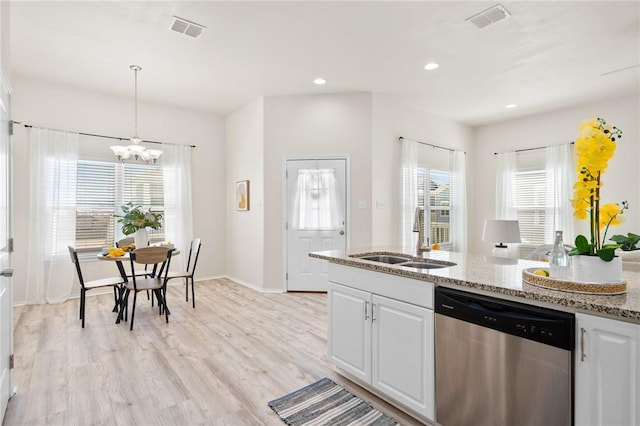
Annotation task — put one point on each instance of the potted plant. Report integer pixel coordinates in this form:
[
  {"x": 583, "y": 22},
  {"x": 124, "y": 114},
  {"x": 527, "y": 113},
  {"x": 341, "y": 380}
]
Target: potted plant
[
  {"x": 628, "y": 250},
  {"x": 135, "y": 221},
  {"x": 593, "y": 260},
  {"x": 627, "y": 242}
]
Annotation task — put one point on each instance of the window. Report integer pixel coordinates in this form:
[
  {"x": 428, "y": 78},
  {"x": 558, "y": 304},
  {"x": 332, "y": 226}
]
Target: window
[
  {"x": 531, "y": 193},
  {"x": 317, "y": 202},
  {"x": 102, "y": 187},
  {"x": 434, "y": 188}
]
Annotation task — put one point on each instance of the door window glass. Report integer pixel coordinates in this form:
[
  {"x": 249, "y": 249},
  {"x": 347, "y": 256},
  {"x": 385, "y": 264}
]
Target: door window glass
[{"x": 317, "y": 202}]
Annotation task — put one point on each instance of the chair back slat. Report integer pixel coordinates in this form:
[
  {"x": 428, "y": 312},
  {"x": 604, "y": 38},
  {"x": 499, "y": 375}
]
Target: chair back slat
[
  {"x": 74, "y": 258},
  {"x": 194, "y": 252},
  {"x": 125, "y": 242},
  {"x": 150, "y": 255}
]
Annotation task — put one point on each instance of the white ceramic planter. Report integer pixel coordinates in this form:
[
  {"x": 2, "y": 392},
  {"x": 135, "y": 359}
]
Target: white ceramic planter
[
  {"x": 592, "y": 269},
  {"x": 629, "y": 256},
  {"x": 141, "y": 238}
]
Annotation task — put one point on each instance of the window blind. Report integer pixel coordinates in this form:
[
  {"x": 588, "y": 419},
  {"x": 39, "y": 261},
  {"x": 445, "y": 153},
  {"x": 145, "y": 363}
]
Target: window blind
[
  {"x": 530, "y": 205},
  {"x": 95, "y": 201}
]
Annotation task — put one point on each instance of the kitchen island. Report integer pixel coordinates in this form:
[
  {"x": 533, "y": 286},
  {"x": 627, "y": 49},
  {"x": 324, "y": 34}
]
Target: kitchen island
[
  {"x": 496, "y": 275},
  {"x": 381, "y": 327}
]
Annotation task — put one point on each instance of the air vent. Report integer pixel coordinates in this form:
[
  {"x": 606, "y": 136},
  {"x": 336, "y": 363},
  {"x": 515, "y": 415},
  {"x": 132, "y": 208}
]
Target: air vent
[
  {"x": 185, "y": 27},
  {"x": 490, "y": 16}
]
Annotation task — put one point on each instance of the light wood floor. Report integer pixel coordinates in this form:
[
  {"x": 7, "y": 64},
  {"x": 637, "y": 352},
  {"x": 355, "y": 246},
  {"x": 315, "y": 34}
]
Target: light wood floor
[{"x": 218, "y": 364}]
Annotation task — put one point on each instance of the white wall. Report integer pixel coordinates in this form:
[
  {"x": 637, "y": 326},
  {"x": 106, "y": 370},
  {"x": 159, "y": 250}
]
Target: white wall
[
  {"x": 5, "y": 54},
  {"x": 307, "y": 126},
  {"x": 54, "y": 106},
  {"x": 393, "y": 118},
  {"x": 245, "y": 229},
  {"x": 557, "y": 127}
]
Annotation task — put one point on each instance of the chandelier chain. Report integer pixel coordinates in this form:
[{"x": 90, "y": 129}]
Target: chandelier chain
[{"x": 135, "y": 100}]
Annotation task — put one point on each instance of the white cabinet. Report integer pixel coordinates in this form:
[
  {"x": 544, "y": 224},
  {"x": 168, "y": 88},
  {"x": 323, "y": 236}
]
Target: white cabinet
[
  {"x": 403, "y": 353},
  {"x": 385, "y": 343},
  {"x": 607, "y": 373},
  {"x": 350, "y": 330}
]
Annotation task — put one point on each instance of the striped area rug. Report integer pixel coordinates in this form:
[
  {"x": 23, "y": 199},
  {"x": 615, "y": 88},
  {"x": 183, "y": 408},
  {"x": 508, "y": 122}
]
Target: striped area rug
[{"x": 326, "y": 403}]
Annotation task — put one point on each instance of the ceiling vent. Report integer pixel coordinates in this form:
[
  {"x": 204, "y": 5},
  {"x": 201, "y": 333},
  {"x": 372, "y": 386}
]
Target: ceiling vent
[
  {"x": 185, "y": 27},
  {"x": 490, "y": 16}
]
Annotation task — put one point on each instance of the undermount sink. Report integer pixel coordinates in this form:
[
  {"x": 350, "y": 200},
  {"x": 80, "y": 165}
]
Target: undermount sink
[
  {"x": 404, "y": 261},
  {"x": 392, "y": 260},
  {"x": 423, "y": 265}
]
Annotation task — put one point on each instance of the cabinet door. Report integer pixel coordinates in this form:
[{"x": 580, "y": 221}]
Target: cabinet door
[
  {"x": 607, "y": 382},
  {"x": 403, "y": 353},
  {"x": 350, "y": 330}
]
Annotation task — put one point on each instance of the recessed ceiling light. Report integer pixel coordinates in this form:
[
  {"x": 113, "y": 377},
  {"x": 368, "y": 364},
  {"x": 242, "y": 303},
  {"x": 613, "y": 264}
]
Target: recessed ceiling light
[
  {"x": 510, "y": 106},
  {"x": 319, "y": 81},
  {"x": 431, "y": 66}
]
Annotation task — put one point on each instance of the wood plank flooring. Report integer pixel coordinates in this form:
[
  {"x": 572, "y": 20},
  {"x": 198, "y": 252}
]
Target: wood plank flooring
[{"x": 218, "y": 364}]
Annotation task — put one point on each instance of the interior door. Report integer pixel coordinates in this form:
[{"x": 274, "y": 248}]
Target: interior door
[
  {"x": 6, "y": 305},
  {"x": 316, "y": 218}
]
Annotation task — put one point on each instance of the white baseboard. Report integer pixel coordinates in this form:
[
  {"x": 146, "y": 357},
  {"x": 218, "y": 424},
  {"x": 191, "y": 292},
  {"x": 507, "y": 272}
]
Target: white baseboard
[{"x": 253, "y": 287}]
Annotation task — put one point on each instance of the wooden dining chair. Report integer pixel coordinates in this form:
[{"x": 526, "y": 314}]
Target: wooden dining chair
[
  {"x": 194, "y": 252},
  {"x": 143, "y": 273},
  {"x": 116, "y": 282},
  {"x": 158, "y": 259}
]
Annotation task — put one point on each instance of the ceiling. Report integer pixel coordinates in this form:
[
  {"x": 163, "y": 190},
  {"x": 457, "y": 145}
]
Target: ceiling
[{"x": 547, "y": 55}]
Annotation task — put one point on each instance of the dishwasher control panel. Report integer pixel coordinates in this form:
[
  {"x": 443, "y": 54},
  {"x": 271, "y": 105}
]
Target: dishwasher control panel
[{"x": 542, "y": 325}]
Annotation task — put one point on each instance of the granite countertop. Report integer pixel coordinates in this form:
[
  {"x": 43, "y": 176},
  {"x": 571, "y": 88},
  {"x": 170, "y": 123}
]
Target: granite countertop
[{"x": 496, "y": 275}]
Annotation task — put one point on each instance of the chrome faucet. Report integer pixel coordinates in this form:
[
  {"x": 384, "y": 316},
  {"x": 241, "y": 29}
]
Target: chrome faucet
[{"x": 418, "y": 226}]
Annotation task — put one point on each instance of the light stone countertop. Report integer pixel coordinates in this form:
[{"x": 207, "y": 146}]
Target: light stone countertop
[{"x": 497, "y": 275}]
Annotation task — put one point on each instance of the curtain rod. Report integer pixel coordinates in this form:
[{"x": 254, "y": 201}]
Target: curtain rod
[
  {"x": 28, "y": 126},
  {"x": 529, "y": 149},
  {"x": 401, "y": 138}
]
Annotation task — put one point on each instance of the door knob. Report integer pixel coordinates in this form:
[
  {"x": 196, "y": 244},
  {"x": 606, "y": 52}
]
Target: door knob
[
  {"x": 341, "y": 232},
  {"x": 6, "y": 273}
]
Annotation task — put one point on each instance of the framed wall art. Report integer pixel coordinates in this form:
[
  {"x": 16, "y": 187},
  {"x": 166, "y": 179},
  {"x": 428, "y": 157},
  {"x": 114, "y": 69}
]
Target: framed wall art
[{"x": 242, "y": 195}]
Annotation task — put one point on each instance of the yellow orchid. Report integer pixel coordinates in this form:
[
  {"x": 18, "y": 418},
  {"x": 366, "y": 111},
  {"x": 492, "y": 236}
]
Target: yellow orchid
[{"x": 594, "y": 147}]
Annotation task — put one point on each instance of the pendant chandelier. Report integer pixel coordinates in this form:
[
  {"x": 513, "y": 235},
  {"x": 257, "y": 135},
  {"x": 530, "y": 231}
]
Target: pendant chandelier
[{"x": 135, "y": 150}]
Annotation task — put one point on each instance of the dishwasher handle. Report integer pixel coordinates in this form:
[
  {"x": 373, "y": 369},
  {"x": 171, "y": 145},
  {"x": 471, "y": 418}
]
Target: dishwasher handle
[{"x": 543, "y": 325}]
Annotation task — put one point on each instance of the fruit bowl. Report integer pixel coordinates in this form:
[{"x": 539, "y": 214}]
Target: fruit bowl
[{"x": 529, "y": 276}]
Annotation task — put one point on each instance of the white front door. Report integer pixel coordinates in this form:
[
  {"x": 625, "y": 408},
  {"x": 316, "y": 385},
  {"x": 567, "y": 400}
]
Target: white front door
[
  {"x": 316, "y": 218},
  {"x": 6, "y": 305}
]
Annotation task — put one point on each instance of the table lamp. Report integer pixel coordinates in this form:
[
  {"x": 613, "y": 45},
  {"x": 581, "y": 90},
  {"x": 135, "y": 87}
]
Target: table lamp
[{"x": 500, "y": 232}]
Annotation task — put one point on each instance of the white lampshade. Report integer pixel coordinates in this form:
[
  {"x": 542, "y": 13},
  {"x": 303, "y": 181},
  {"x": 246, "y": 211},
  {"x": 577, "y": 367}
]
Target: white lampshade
[
  {"x": 501, "y": 231},
  {"x": 154, "y": 154},
  {"x": 121, "y": 152}
]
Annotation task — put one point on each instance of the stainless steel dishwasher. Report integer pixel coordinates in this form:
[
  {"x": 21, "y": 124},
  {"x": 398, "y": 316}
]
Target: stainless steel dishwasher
[{"x": 501, "y": 363}]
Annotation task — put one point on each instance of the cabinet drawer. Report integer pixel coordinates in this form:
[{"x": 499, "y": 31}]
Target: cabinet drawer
[{"x": 416, "y": 292}]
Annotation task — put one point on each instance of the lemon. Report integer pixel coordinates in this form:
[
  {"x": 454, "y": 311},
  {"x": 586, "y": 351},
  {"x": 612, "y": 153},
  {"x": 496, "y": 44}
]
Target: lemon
[
  {"x": 541, "y": 272},
  {"x": 435, "y": 246}
]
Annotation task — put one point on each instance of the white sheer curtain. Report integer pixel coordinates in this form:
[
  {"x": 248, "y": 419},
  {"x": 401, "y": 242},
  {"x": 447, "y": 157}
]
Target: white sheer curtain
[
  {"x": 506, "y": 169},
  {"x": 409, "y": 191},
  {"x": 458, "y": 166},
  {"x": 178, "y": 207},
  {"x": 52, "y": 215},
  {"x": 559, "y": 181},
  {"x": 317, "y": 204}
]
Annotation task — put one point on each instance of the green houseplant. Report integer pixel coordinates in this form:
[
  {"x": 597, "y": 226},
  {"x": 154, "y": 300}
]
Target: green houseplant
[
  {"x": 134, "y": 218},
  {"x": 627, "y": 242}
]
